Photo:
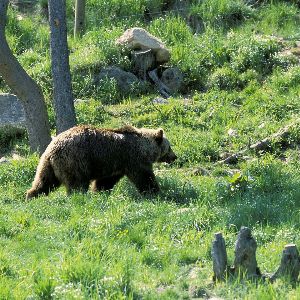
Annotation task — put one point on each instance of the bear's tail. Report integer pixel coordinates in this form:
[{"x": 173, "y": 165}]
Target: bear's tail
[{"x": 44, "y": 181}]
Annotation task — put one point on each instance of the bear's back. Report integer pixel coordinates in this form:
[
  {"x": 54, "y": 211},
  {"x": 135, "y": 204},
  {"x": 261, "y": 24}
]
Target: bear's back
[
  {"x": 123, "y": 146},
  {"x": 84, "y": 138}
]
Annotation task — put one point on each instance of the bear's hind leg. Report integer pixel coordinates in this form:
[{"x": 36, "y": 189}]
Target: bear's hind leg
[
  {"x": 44, "y": 182},
  {"x": 42, "y": 188},
  {"x": 145, "y": 181},
  {"x": 105, "y": 184}
]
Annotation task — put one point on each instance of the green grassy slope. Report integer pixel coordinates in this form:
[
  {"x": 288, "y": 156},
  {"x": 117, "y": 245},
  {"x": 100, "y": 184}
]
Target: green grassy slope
[{"x": 120, "y": 245}]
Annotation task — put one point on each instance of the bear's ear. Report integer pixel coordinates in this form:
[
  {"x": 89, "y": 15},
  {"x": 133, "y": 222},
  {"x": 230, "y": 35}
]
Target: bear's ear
[{"x": 159, "y": 136}]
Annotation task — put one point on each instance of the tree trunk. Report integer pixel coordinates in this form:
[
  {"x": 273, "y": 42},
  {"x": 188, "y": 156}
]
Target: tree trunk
[
  {"x": 143, "y": 61},
  {"x": 63, "y": 98},
  {"x": 26, "y": 90},
  {"x": 79, "y": 18}
]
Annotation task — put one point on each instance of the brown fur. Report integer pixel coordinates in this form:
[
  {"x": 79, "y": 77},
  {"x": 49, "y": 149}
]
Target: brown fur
[{"x": 85, "y": 154}]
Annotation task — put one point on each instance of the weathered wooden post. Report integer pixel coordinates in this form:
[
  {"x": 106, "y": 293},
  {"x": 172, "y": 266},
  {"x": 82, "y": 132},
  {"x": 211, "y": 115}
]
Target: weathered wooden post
[
  {"x": 289, "y": 265},
  {"x": 219, "y": 256},
  {"x": 245, "y": 263},
  {"x": 245, "y": 254},
  {"x": 143, "y": 61}
]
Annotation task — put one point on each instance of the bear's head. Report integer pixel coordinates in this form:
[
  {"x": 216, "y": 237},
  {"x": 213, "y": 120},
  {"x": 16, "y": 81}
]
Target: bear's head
[{"x": 166, "y": 153}]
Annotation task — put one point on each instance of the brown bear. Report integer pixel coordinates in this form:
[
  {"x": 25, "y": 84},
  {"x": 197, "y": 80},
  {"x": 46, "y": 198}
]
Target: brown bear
[{"x": 86, "y": 154}]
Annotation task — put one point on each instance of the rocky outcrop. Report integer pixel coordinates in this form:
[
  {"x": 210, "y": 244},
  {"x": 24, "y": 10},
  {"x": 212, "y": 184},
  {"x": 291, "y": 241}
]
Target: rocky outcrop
[
  {"x": 11, "y": 111},
  {"x": 139, "y": 39},
  {"x": 125, "y": 81},
  {"x": 173, "y": 79},
  {"x": 149, "y": 57}
]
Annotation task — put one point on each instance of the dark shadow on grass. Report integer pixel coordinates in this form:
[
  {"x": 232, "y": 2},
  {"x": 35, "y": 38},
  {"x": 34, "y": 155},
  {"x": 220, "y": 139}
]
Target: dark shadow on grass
[
  {"x": 171, "y": 190},
  {"x": 9, "y": 137},
  {"x": 178, "y": 191}
]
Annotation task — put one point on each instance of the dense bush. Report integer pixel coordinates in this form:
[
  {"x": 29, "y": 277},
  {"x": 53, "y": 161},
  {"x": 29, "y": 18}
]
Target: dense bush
[
  {"x": 8, "y": 136},
  {"x": 222, "y": 14},
  {"x": 287, "y": 81},
  {"x": 225, "y": 79},
  {"x": 254, "y": 52}
]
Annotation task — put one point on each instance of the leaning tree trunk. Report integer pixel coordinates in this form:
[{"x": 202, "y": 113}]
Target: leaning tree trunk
[
  {"x": 63, "y": 98},
  {"x": 26, "y": 90},
  {"x": 79, "y": 17}
]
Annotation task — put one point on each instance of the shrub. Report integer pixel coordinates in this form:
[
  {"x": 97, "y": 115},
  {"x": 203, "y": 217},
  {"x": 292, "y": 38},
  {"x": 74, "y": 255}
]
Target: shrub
[
  {"x": 24, "y": 33},
  {"x": 117, "y": 12},
  {"x": 8, "y": 135},
  {"x": 279, "y": 17},
  {"x": 224, "y": 79},
  {"x": 172, "y": 30},
  {"x": 285, "y": 81},
  {"x": 222, "y": 14},
  {"x": 199, "y": 56},
  {"x": 254, "y": 52}
]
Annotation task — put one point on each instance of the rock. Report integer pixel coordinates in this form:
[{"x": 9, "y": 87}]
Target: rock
[
  {"x": 232, "y": 132},
  {"x": 79, "y": 101},
  {"x": 197, "y": 292},
  {"x": 3, "y": 160},
  {"x": 139, "y": 39},
  {"x": 231, "y": 159},
  {"x": 11, "y": 111},
  {"x": 16, "y": 156},
  {"x": 124, "y": 80},
  {"x": 200, "y": 172},
  {"x": 173, "y": 79},
  {"x": 160, "y": 100}
]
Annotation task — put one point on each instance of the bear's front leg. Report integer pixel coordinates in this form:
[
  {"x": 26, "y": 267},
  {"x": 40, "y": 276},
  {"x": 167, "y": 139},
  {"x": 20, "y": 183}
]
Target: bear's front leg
[
  {"x": 76, "y": 185},
  {"x": 105, "y": 184},
  {"x": 144, "y": 180}
]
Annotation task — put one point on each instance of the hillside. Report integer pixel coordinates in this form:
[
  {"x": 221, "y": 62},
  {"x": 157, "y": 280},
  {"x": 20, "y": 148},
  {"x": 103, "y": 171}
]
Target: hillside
[{"x": 241, "y": 74}]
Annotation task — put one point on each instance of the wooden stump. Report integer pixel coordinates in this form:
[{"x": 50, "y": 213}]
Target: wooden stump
[
  {"x": 245, "y": 263},
  {"x": 245, "y": 254},
  {"x": 289, "y": 265},
  {"x": 219, "y": 256},
  {"x": 163, "y": 89},
  {"x": 143, "y": 61}
]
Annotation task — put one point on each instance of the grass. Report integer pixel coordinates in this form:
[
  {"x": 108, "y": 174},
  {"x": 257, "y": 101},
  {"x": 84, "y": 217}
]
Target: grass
[{"x": 121, "y": 245}]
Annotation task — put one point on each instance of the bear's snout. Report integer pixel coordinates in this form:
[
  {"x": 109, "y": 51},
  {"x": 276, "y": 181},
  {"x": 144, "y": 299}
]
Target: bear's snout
[
  {"x": 168, "y": 158},
  {"x": 172, "y": 158}
]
